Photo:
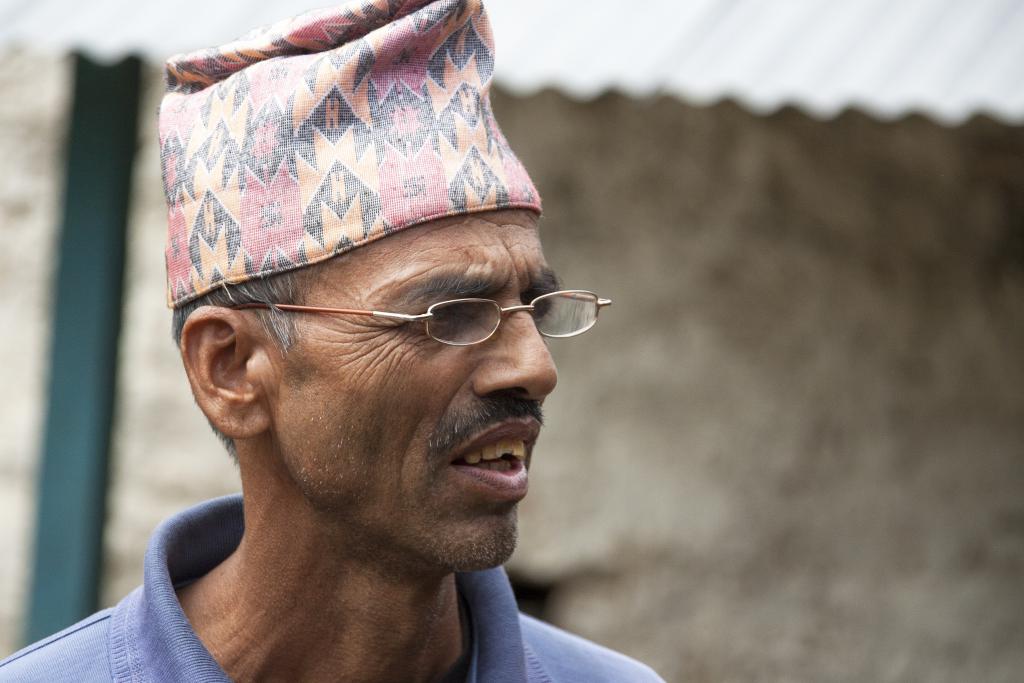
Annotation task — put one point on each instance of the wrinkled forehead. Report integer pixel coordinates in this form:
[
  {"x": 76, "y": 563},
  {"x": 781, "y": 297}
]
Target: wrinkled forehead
[{"x": 465, "y": 256}]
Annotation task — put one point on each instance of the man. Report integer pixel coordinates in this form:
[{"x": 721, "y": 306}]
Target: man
[{"x": 382, "y": 396}]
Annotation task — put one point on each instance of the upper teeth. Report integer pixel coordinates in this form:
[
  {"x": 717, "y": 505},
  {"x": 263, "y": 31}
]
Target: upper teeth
[{"x": 494, "y": 451}]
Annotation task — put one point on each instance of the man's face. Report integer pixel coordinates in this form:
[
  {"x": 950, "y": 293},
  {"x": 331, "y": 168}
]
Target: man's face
[{"x": 377, "y": 423}]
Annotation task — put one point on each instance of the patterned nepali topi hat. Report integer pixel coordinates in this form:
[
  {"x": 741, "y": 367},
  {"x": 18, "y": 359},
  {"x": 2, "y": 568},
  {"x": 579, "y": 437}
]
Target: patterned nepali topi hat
[{"x": 325, "y": 132}]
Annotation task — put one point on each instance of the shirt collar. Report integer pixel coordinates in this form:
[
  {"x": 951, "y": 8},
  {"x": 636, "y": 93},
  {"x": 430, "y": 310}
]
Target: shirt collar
[{"x": 151, "y": 636}]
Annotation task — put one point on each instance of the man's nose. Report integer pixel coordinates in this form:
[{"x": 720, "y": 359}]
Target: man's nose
[{"x": 518, "y": 360}]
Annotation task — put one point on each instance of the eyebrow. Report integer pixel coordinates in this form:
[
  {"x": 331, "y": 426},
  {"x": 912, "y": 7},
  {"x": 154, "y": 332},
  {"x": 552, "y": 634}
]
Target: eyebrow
[
  {"x": 543, "y": 282},
  {"x": 462, "y": 286}
]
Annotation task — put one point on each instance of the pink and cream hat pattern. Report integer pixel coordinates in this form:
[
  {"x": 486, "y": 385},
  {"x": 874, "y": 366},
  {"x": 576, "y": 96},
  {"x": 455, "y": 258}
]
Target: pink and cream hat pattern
[{"x": 327, "y": 131}]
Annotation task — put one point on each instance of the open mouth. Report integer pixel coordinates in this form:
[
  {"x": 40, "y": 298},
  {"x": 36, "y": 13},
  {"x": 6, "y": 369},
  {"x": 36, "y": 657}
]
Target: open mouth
[
  {"x": 503, "y": 456},
  {"x": 493, "y": 465}
]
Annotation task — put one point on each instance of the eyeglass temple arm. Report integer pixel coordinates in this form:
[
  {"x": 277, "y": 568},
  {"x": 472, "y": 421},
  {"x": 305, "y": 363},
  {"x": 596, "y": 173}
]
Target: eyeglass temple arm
[
  {"x": 401, "y": 316},
  {"x": 345, "y": 311},
  {"x": 303, "y": 309}
]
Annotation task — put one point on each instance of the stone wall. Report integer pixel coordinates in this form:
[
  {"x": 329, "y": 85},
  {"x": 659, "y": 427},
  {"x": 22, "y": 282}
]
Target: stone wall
[{"x": 792, "y": 450}]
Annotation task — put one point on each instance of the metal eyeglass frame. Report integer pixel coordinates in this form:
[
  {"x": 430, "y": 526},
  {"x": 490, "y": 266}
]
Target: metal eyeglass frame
[{"x": 425, "y": 317}]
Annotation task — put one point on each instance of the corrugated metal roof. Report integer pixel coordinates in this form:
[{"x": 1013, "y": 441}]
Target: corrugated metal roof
[{"x": 945, "y": 58}]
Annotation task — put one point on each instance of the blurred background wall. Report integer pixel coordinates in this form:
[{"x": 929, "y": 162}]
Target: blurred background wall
[{"x": 792, "y": 450}]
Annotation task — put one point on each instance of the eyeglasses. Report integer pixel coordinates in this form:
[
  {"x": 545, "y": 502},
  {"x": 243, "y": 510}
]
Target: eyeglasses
[{"x": 462, "y": 322}]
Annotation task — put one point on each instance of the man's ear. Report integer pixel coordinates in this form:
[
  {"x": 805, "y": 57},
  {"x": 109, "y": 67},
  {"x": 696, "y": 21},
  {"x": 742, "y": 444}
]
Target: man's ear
[{"x": 230, "y": 364}]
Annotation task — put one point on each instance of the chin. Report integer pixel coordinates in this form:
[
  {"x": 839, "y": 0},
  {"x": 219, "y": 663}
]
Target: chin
[{"x": 487, "y": 543}]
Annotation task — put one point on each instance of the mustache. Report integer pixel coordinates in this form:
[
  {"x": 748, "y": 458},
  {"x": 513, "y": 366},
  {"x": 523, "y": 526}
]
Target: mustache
[{"x": 458, "y": 425}]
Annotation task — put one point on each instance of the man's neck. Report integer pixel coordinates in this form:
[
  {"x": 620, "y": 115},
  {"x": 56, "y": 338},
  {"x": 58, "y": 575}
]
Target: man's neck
[{"x": 288, "y": 606}]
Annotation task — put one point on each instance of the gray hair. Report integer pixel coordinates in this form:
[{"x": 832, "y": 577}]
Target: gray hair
[{"x": 283, "y": 288}]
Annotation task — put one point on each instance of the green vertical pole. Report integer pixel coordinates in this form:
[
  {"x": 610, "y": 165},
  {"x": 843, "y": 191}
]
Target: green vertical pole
[{"x": 86, "y": 321}]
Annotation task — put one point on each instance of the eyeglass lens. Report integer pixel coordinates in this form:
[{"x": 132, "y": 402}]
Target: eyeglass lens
[
  {"x": 463, "y": 322},
  {"x": 560, "y": 314},
  {"x": 565, "y": 314}
]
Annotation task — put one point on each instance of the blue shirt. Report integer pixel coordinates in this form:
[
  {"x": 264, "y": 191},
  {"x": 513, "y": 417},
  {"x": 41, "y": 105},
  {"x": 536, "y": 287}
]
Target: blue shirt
[{"x": 147, "y": 639}]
